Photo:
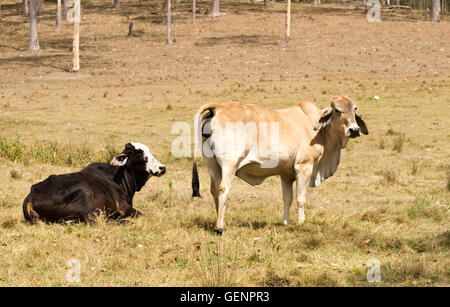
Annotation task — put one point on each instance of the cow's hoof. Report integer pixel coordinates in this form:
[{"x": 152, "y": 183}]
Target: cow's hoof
[
  {"x": 219, "y": 231},
  {"x": 137, "y": 214}
]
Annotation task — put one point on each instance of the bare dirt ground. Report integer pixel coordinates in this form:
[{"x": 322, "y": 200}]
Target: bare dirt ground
[{"x": 388, "y": 200}]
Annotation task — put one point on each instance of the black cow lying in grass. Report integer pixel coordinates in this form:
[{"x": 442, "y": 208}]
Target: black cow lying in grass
[{"x": 100, "y": 187}]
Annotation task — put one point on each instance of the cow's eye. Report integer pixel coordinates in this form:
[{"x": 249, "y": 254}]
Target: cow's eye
[
  {"x": 337, "y": 112},
  {"x": 146, "y": 159}
]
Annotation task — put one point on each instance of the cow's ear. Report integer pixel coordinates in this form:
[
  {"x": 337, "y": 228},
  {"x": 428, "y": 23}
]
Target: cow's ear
[
  {"x": 362, "y": 125},
  {"x": 325, "y": 119},
  {"x": 120, "y": 160}
]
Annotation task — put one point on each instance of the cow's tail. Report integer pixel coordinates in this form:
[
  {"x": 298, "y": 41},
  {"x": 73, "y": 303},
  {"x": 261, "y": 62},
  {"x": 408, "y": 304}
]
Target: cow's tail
[
  {"x": 29, "y": 213},
  {"x": 204, "y": 115},
  {"x": 195, "y": 181}
]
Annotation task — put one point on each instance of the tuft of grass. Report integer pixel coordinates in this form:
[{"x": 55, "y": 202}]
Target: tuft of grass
[
  {"x": 448, "y": 180},
  {"x": 216, "y": 267},
  {"x": 391, "y": 132},
  {"x": 381, "y": 143},
  {"x": 399, "y": 141},
  {"x": 407, "y": 270},
  {"x": 444, "y": 239},
  {"x": 414, "y": 168},
  {"x": 389, "y": 176},
  {"x": 429, "y": 208},
  {"x": 15, "y": 174},
  {"x": 273, "y": 280},
  {"x": 13, "y": 150},
  {"x": 313, "y": 242},
  {"x": 9, "y": 222}
]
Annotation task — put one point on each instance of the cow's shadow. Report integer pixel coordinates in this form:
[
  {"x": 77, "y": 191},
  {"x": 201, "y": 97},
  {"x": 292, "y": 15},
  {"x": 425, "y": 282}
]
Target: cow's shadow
[
  {"x": 208, "y": 224},
  {"x": 205, "y": 224}
]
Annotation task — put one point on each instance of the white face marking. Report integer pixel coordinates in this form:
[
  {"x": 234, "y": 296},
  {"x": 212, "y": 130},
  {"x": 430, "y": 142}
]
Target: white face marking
[
  {"x": 153, "y": 166},
  {"x": 347, "y": 129}
]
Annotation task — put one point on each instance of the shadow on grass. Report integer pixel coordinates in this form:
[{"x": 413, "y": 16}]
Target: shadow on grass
[
  {"x": 204, "y": 224},
  {"x": 255, "y": 225},
  {"x": 52, "y": 61},
  {"x": 240, "y": 40}
]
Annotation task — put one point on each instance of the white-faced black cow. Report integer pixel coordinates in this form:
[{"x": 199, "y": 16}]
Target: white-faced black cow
[{"x": 100, "y": 187}]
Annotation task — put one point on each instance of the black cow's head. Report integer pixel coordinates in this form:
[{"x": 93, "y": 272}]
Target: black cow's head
[{"x": 138, "y": 158}]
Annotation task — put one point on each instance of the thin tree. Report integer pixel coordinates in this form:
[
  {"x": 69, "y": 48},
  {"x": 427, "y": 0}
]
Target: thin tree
[
  {"x": 287, "y": 34},
  {"x": 25, "y": 10},
  {"x": 168, "y": 22},
  {"x": 58, "y": 15},
  {"x": 39, "y": 8},
  {"x": 316, "y": 2},
  {"x": 64, "y": 8},
  {"x": 76, "y": 46},
  {"x": 34, "y": 41},
  {"x": 175, "y": 22},
  {"x": 215, "y": 9},
  {"x": 116, "y": 4},
  {"x": 193, "y": 10},
  {"x": 434, "y": 12}
]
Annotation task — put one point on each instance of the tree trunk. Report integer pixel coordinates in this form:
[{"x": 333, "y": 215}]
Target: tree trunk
[
  {"x": 175, "y": 23},
  {"x": 168, "y": 22},
  {"x": 316, "y": 2},
  {"x": 34, "y": 41},
  {"x": 58, "y": 14},
  {"x": 116, "y": 4},
  {"x": 39, "y": 7},
  {"x": 397, "y": 2},
  {"x": 130, "y": 29},
  {"x": 76, "y": 46},
  {"x": 25, "y": 10},
  {"x": 215, "y": 9},
  {"x": 434, "y": 12},
  {"x": 64, "y": 8},
  {"x": 420, "y": 5},
  {"x": 193, "y": 10},
  {"x": 287, "y": 34}
]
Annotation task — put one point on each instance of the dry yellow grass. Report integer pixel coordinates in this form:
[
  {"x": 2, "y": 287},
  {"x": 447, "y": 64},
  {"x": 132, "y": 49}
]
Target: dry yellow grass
[{"x": 134, "y": 89}]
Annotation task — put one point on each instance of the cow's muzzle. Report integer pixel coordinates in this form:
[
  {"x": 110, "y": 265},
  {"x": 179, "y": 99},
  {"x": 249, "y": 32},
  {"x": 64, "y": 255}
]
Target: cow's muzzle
[
  {"x": 160, "y": 172},
  {"x": 354, "y": 132}
]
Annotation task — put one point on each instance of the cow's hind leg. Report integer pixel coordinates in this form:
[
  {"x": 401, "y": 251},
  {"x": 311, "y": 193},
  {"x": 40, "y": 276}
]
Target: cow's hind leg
[
  {"x": 215, "y": 174},
  {"x": 224, "y": 190},
  {"x": 287, "y": 186}
]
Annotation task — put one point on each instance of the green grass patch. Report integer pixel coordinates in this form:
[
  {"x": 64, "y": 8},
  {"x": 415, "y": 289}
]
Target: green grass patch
[{"x": 49, "y": 152}]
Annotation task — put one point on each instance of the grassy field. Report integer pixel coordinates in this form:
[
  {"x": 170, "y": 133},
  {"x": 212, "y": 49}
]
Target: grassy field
[{"x": 388, "y": 200}]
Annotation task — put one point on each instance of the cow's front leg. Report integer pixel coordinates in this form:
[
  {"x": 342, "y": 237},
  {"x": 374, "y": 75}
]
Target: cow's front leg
[
  {"x": 125, "y": 210},
  {"x": 224, "y": 190},
  {"x": 288, "y": 195},
  {"x": 303, "y": 177}
]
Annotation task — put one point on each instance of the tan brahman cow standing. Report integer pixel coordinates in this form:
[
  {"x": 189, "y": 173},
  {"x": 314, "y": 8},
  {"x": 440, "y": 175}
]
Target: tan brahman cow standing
[{"x": 300, "y": 144}]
